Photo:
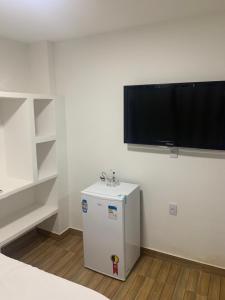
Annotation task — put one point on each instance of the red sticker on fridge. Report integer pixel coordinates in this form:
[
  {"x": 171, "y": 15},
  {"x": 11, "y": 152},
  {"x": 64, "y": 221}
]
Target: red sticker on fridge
[{"x": 115, "y": 261}]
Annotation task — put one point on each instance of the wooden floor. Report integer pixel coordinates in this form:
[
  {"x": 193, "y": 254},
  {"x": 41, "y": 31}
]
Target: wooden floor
[{"x": 152, "y": 277}]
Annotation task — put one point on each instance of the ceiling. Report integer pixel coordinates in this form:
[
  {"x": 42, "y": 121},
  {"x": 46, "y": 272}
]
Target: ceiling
[{"x": 34, "y": 20}]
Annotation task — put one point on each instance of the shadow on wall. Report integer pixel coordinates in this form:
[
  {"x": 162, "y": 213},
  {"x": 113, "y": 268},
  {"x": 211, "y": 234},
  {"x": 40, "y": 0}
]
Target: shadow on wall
[{"x": 216, "y": 154}]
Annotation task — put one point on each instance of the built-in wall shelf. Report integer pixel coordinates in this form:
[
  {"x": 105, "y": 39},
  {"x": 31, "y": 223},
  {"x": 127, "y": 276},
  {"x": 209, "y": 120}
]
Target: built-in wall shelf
[
  {"x": 28, "y": 164},
  {"x": 46, "y": 178},
  {"x": 24, "y": 221},
  {"x": 10, "y": 186},
  {"x": 43, "y": 139},
  {"x": 15, "y": 95}
]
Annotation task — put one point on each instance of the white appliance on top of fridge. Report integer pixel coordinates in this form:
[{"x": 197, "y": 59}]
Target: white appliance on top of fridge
[{"x": 111, "y": 228}]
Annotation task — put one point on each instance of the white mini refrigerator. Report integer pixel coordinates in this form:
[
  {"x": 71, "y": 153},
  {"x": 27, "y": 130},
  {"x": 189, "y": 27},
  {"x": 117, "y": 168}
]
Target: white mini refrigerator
[{"x": 111, "y": 228}]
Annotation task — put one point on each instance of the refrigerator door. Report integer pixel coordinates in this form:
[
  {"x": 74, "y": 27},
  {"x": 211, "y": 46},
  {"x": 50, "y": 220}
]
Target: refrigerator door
[{"x": 103, "y": 235}]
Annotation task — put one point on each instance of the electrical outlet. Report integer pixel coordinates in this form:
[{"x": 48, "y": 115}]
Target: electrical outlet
[{"x": 173, "y": 209}]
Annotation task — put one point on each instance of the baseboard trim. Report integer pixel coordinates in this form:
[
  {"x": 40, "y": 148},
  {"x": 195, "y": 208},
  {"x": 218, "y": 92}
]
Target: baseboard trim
[
  {"x": 75, "y": 231},
  {"x": 60, "y": 236},
  {"x": 186, "y": 262},
  {"x": 153, "y": 253},
  {"x": 176, "y": 259},
  {"x": 53, "y": 235}
]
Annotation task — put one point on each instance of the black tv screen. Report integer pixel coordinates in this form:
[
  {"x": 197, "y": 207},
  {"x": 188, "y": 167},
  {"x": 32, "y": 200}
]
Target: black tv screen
[{"x": 178, "y": 114}]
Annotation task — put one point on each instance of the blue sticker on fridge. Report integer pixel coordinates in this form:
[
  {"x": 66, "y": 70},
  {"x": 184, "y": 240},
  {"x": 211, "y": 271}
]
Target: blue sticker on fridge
[{"x": 84, "y": 206}]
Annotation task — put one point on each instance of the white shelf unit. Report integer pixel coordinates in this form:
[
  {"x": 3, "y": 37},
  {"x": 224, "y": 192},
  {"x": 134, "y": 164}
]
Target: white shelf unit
[{"x": 27, "y": 163}]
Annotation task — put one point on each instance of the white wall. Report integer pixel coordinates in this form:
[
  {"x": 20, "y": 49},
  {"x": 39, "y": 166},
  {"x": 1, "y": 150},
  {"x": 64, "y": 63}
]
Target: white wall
[
  {"x": 14, "y": 66},
  {"x": 41, "y": 67},
  {"x": 91, "y": 72},
  {"x": 26, "y": 67}
]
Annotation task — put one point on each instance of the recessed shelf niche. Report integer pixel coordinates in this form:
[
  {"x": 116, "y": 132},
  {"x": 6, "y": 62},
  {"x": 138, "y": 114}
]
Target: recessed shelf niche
[
  {"x": 16, "y": 165},
  {"x": 44, "y": 113},
  {"x": 27, "y": 209},
  {"x": 46, "y": 159}
]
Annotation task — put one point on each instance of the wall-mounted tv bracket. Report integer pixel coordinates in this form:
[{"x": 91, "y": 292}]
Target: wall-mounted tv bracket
[{"x": 174, "y": 152}]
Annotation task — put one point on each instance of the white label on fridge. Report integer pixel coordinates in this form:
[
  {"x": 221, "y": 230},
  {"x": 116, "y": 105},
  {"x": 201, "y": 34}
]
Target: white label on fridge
[{"x": 112, "y": 212}]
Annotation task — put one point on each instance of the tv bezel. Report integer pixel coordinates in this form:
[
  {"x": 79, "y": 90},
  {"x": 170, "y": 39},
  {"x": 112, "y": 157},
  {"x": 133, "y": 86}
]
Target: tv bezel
[{"x": 168, "y": 144}]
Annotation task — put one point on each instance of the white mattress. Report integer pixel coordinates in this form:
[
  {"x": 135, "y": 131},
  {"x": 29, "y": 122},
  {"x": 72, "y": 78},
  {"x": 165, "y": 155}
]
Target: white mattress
[{"x": 19, "y": 281}]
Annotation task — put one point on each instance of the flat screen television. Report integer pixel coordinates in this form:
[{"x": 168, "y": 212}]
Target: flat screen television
[{"x": 177, "y": 115}]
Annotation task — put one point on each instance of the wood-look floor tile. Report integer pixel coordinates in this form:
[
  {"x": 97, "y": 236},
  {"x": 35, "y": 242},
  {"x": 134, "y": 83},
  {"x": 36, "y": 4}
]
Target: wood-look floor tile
[
  {"x": 214, "y": 288},
  {"x": 170, "y": 284},
  {"x": 104, "y": 284},
  {"x": 72, "y": 271},
  {"x": 160, "y": 281},
  {"x": 58, "y": 268},
  {"x": 124, "y": 287},
  {"x": 154, "y": 268},
  {"x": 152, "y": 278},
  {"x": 189, "y": 295},
  {"x": 203, "y": 284},
  {"x": 95, "y": 280},
  {"x": 180, "y": 287},
  {"x": 144, "y": 291},
  {"x": 222, "y": 288},
  {"x": 200, "y": 297},
  {"x": 192, "y": 280},
  {"x": 133, "y": 291},
  {"x": 143, "y": 266},
  {"x": 112, "y": 289},
  {"x": 47, "y": 264}
]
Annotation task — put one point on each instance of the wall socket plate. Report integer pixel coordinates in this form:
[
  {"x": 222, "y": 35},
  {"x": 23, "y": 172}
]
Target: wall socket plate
[{"x": 173, "y": 209}]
